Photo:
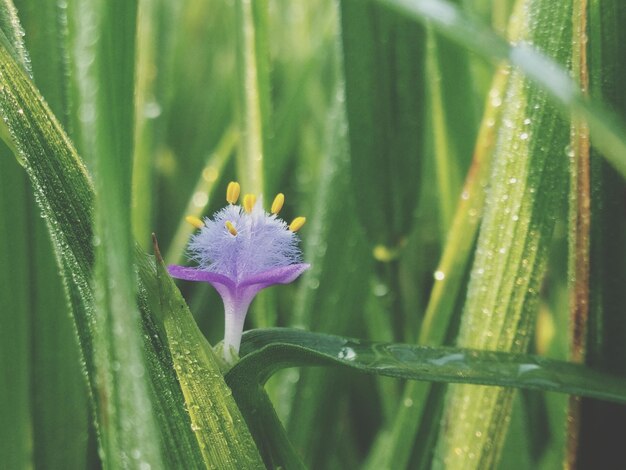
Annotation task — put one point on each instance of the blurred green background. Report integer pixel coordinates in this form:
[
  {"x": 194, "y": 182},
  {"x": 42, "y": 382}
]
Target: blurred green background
[{"x": 449, "y": 200}]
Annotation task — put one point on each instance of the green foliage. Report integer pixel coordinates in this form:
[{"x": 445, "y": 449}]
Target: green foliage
[{"x": 437, "y": 237}]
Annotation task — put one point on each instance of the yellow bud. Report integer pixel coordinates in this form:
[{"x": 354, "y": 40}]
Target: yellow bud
[
  {"x": 297, "y": 223},
  {"x": 249, "y": 200},
  {"x": 277, "y": 205},
  {"x": 231, "y": 228},
  {"x": 193, "y": 220},
  {"x": 232, "y": 192}
]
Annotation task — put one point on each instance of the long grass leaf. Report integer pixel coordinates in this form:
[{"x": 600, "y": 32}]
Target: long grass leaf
[
  {"x": 605, "y": 127},
  {"x": 15, "y": 322},
  {"x": 526, "y": 187},
  {"x": 383, "y": 62},
  {"x": 64, "y": 193},
  {"x": 128, "y": 431},
  {"x": 268, "y": 350},
  {"x": 606, "y": 328},
  {"x": 60, "y": 432},
  {"x": 253, "y": 96}
]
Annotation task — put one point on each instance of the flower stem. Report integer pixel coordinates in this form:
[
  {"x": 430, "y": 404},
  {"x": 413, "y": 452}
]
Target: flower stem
[{"x": 233, "y": 329}]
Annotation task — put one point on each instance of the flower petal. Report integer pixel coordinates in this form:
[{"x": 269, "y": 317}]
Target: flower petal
[
  {"x": 195, "y": 274},
  {"x": 280, "y": 275}
]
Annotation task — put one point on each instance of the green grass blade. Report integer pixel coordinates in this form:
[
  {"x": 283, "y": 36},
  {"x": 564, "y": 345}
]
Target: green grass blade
[
  {"x": 265, "y": 351},
  {"x": 579, "y": 221},
  {"x": 384, "y": 73},
  {"x": 129, "y": 435},
  {"x": 158, "y": 31},
  {"x": 15, "y": 358},
  {"x": 12, "y": 29},
  {"x": 48, "y": 363},
  {"x": 253, "y": 92},
  {"x": 60, "y": 432},
  {"x": 147, "y": 110},
  {"x": 526, "y": 190},
  {"x": 605, "y": 128},
  {"x": 46, "y": 39},
  {"x": 65, "y": 195},
  {"x": 605, "y": 348},
  {"x": 453, "y": 120}
]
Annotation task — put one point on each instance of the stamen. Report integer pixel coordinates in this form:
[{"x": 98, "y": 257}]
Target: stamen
[
  {"x": 193, "y": 220},
  {"x": 277, "y": 205},
  {"x": 249, "y": 200},
  {"x": 297, "y": 223},
  {"x": 231, "y": 228},
  {"x": 232, "y": 192}
]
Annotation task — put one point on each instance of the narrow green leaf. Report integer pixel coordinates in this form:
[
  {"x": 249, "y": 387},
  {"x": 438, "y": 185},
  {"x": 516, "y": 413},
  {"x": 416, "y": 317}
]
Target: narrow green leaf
[
  {"x": 128, "y": 431},
  {"x": 605, "y": 339},
  {"x": 265, "y": 351},
  {"x": 579, "y": 222},
  {"x": 383, "y": 61},
  {"x": 45, "y": 25},
  {"x": 65, "y": 195},
  {"x": 158, "y": 31},
  {"x": 60, "y": 432},
  {"x": 253, "y": 92},
  {"x": 453, "y": 120},
  {"x": 15, "y": 322},
  {"x": 43, "y": 360},
  {"x": 526, "y": 190},
  {"x": 12, "y": 29}
]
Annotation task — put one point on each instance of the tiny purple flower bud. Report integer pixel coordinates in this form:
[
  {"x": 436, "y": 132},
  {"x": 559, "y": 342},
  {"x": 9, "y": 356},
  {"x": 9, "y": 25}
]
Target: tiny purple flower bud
[{"x": 240, "y": 251}]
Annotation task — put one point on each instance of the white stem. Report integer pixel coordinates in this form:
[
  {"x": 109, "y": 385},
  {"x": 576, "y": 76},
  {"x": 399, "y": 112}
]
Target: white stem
[{"x": 233, "y": 329}]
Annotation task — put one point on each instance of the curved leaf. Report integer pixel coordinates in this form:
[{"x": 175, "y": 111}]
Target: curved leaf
[{"x": 266, "y": 351}]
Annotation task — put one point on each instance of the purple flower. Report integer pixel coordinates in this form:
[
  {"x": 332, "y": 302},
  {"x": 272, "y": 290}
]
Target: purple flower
[{"x": 240, "y": 251}]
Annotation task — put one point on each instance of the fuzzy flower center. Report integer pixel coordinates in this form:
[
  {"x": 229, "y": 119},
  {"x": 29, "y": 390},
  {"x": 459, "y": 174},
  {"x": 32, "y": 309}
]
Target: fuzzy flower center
[{"x": 243, "y": 240}]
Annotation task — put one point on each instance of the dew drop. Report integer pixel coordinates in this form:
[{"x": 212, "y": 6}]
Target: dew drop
[{"x": 346, "y": 353}]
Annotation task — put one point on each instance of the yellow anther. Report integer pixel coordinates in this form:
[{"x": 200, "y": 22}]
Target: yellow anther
[
  {"x": 231, "y": 228},
  {"x": 193, "y": 220},
  {"x": 249, "y": 200},
  {"x": 277, "y": 205},
  {"x": 232, "y": 192},
  {"x": 297, "y": 223}
]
